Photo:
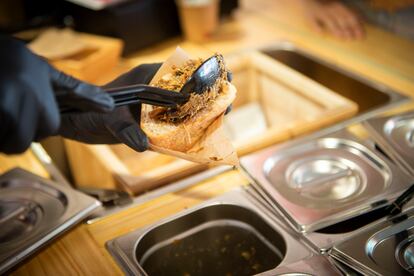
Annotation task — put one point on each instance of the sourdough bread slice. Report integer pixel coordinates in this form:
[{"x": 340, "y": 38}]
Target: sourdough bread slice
[{"x": 182, "y": 136}]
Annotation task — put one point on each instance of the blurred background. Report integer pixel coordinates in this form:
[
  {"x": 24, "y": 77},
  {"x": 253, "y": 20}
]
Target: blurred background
[{"x": 139, "y": 23}]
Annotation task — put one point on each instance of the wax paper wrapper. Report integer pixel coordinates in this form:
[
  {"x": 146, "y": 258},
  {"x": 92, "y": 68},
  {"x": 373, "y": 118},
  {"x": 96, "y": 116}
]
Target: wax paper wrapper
[{"x": 214, "y": 147}]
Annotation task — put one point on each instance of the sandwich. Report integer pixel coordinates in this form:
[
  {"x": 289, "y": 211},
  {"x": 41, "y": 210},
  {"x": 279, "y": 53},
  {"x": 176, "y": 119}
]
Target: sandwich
[{"x": 180, "y": 128}]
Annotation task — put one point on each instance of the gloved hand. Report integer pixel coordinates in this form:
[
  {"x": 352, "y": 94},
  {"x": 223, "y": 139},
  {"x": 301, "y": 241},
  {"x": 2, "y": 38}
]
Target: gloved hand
[
  {"x": 122, "y": 125},
  {"x": 29, "y": 90}
]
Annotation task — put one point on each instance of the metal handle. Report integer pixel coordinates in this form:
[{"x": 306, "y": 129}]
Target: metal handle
[
  {"x": 327, "y": 178},
  {"x": 19, "y": 213},
  {"x": 47, "y": 163}
]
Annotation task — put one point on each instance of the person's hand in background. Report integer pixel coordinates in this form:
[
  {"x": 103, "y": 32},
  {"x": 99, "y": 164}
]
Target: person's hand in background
[
  {"x": 122, "y": 125},
  {"x": 30, "y": 90},
  {"x": 333, "y": 17}
]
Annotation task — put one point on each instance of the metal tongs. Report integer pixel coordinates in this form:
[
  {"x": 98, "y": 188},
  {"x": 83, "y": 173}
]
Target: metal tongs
[
  {"x": 200, "y": 81},
  {"x": 397, "y": 205}
]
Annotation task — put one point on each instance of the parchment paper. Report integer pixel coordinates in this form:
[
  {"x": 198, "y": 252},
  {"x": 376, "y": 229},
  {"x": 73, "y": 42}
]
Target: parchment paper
[{"x": 214, "y": 147}]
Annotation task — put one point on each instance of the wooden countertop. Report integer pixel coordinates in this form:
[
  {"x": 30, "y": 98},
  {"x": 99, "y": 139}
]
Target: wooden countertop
[
  {"x": 26, "y": 161},
  {"x": 382, "y": 56}
]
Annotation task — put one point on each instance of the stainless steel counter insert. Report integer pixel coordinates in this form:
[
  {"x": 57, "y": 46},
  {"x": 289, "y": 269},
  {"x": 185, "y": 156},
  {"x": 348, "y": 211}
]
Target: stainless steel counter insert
[
  {"x": 368, "y": 94},
  {"x": 232, "y": 233},
  {"x": 33, "y": 210},
  {"x": 384, "y": 249}
]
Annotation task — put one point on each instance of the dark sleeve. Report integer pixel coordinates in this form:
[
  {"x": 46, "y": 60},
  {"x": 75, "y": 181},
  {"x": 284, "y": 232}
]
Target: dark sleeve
[
  {"x": 16, "y": 109},
  {"x": 15, "y": 136}
]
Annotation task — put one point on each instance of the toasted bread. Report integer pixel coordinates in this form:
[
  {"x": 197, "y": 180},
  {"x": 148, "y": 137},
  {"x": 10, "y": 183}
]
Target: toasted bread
[{"x": 183, "y": 135}]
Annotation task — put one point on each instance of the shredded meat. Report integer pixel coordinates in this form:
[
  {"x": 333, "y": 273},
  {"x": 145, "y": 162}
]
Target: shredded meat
[{"x": 175, "y": 80}]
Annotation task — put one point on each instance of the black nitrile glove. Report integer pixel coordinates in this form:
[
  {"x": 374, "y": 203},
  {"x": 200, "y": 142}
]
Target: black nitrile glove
[
  {"x": 29, "y": 90},
  {"x": 121, "y": 125}
]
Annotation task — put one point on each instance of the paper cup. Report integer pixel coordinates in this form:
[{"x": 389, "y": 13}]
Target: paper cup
[{"x": 199, "y": 18}]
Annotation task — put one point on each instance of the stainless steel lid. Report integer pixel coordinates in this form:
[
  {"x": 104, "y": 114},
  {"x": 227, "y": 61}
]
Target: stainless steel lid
[
  {"x": 396, "y": 134},
  {"x": 34, "y": 210},
  {"x": 383, "y": 249},
  {"x": 25, "y": 207},
  {"x": 319, "y": 182},
  {"x": 18, "y": 219},
  {"x": 327, "y": 170}
]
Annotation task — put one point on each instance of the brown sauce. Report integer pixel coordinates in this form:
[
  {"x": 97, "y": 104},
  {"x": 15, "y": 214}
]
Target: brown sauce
[{"x": 219, "y": 251}]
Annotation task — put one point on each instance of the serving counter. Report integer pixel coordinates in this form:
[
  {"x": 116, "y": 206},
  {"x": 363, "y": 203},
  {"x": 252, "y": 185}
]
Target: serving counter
[{"x": 381, "y": 57}]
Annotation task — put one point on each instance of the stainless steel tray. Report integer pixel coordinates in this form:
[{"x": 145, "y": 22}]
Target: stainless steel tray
[
  {"x": 34, "y": 210},
  {"x": 396, "y": 134},
  {"x": 371, "y": 96},
  {"x": 174, "y": 244},
  {"x": 386, "y": 248},
  {"x": 319, "y": 182}
]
